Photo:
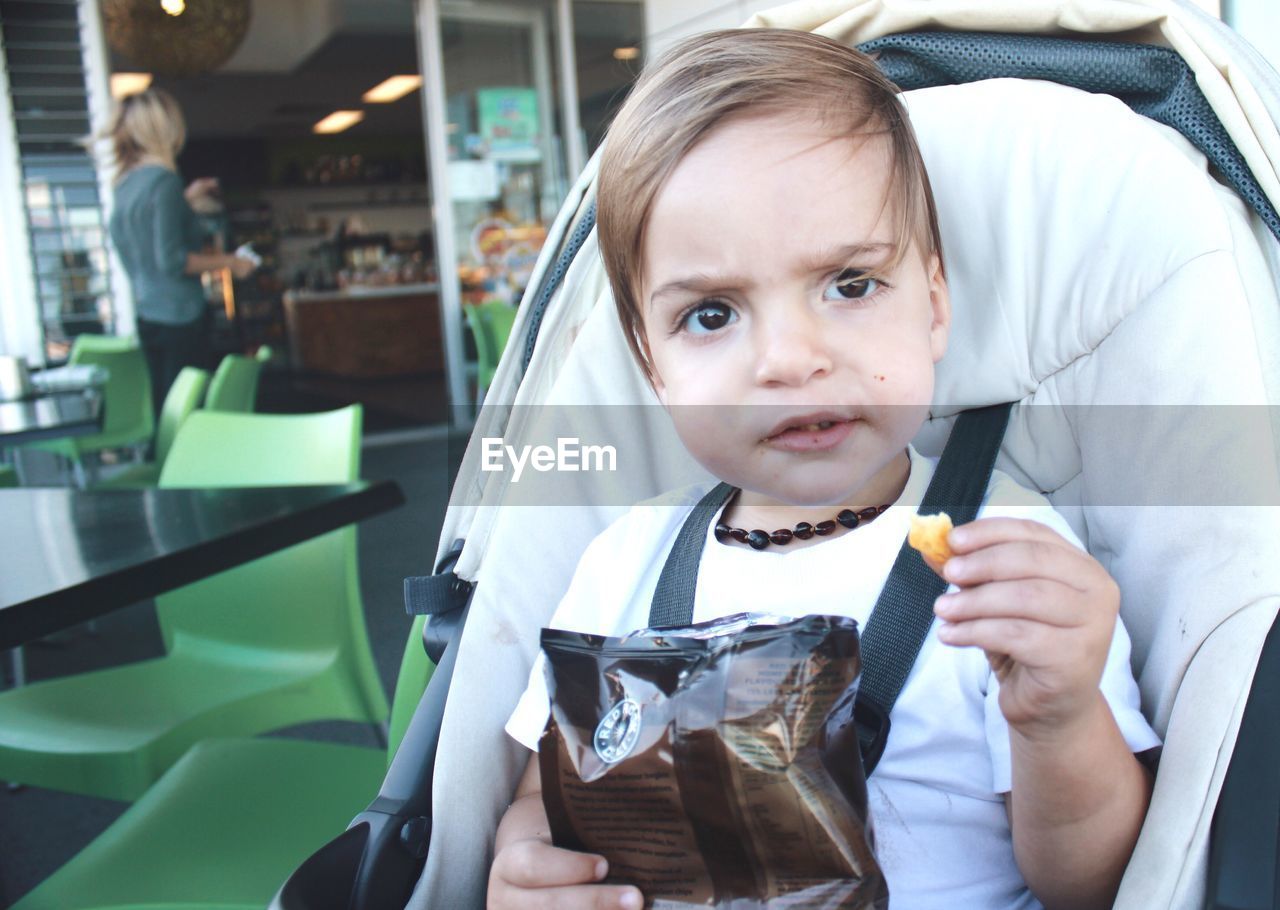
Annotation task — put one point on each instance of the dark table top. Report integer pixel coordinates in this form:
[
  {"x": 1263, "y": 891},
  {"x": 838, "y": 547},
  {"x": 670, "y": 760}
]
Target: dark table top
[
  {"x": 51, "y": 416},
  {"x": 71, "y": 555}
]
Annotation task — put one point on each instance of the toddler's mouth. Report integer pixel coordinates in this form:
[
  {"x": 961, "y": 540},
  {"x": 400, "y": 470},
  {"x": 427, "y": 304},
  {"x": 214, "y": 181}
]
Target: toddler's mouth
[{"x": 809, "y": 434}]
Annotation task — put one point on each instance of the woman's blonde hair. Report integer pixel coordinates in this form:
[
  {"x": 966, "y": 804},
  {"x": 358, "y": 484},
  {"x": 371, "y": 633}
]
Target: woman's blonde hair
[
  {"x": 147, "y": 127},
  {"x": 705, "y": 80}
]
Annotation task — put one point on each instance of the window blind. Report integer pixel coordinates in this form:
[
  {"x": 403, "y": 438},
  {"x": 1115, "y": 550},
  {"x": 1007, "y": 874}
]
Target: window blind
[{"x": 44, "y": 58}]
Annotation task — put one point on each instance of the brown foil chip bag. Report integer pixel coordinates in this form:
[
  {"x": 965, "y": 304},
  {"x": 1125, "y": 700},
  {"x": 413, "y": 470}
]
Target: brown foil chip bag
[{"x": 715, "y": 765}]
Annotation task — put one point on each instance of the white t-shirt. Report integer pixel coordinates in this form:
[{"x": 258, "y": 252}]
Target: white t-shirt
[{"x": 936, "y": 797}]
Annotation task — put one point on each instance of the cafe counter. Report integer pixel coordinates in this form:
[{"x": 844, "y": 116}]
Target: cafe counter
[{"x": 366, "y": 332}]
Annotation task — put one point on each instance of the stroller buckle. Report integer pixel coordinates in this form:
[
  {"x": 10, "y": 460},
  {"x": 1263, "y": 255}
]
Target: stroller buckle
[{"x": 415, "y": 836}]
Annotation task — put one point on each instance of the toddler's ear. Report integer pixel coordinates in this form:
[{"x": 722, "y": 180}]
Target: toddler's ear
[{"x": 940, "y": 301}]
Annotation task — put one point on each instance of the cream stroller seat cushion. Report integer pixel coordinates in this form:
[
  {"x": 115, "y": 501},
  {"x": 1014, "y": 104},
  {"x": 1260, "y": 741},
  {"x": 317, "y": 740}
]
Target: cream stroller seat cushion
[{"x": 1105, "y": 283}]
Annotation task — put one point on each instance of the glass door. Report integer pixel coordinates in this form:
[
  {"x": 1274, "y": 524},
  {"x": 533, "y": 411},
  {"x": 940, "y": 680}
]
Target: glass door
[{"x": 497, "y": 159}]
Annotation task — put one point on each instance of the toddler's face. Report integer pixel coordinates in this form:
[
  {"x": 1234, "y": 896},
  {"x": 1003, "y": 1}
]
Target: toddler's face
[{"x": 795, "y": 362}]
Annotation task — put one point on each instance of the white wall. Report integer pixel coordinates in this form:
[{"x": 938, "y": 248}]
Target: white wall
[{"x": 283, "y": 33}]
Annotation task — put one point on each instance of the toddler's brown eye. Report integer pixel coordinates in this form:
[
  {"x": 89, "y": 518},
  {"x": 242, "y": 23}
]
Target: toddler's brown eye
[
  {"x": 709, "y": 317},
  {"x": 852, "y": 284}
]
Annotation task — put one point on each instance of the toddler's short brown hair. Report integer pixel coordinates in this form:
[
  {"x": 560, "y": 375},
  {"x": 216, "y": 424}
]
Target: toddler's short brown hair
[{"x": 705, "y": 80}]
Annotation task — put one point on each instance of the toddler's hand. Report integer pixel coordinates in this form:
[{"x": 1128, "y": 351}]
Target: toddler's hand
[
  {"x": 531, "y": 874},
  {"x": 1043, "y": 611}
]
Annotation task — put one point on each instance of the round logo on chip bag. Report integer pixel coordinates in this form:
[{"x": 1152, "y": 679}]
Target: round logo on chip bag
[{"x": 618, "y": 731}]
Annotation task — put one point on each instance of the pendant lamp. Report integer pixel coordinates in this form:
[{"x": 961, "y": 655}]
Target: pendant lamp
[{"x": 176, "y": 37}]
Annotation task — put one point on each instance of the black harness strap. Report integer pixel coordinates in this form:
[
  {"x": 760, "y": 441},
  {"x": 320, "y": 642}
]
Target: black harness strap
[
  {"x": 673, "y": 598},
  {"x": 903, "y": 613}
]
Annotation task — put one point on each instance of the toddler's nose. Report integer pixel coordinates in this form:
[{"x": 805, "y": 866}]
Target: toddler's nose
[{"x": 792, "y": 352}]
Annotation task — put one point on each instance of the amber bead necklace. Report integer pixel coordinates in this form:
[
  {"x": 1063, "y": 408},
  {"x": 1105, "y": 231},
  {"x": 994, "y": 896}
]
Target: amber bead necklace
[{"x": 758, "y": 539}]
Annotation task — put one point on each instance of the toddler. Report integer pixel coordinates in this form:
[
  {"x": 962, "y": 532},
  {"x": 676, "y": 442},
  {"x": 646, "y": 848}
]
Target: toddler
[{"x": 772, "y": 246}]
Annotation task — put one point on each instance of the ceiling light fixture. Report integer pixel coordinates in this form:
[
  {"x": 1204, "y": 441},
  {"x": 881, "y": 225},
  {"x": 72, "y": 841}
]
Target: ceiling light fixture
[
  {"x": 178, "y": 38},
  {"x": 129, "y": 83},
  {"x": 626, "y": 53},
  {"x": 338, "y": 121},
  {"x": 392, "y": 89}
]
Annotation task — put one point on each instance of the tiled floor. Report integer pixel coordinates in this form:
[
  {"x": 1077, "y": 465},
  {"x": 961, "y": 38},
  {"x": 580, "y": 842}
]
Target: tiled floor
[{"x": 41, "y": 829}]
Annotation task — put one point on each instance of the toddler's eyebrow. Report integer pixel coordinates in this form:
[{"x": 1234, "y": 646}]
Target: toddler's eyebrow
[
  {"x": 701, "y": 283},
  {"x": 834, "y": 256},
  {"x": 841, "y": 255}
]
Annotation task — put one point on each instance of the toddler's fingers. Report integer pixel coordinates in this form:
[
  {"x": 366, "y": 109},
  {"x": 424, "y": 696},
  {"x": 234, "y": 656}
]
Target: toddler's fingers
[
  {"x": 1027, "y": 642},
  {"x": 572, "y": 897},
  {"x": 1036, "y": 599},
  {"x": 537, "y": 864},
  {"x": 1009, "y": 560},
  {"x": 985, "y": 532},
  {"x": 581, "y": 897}
]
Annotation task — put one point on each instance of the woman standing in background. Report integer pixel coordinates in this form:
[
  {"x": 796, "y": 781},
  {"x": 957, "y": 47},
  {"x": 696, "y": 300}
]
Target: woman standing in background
[{"x": 158, "y": 238}]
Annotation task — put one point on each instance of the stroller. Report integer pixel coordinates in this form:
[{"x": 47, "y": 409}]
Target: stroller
[{"x": 1113, "y": 275}]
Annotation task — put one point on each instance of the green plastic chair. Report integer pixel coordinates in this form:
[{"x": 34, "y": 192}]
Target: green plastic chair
[
  {"x": 490, "y": 325},
  {"x": 275, "y": 642},
  {"x": 184, "y": 397},
  {"x": 129, "y": 418},
  {"x": 8, "y": 475},
  {"x": 235, "y": 384},
  {"x": 226, "y": 825}
]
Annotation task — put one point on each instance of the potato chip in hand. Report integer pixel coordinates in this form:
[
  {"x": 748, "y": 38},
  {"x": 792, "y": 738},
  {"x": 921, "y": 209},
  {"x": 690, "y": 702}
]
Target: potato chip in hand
[{"x": 928, "y": 534}]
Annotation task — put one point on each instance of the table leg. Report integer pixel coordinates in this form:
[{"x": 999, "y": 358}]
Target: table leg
[
  {"x": 78, "y": 474},
  {"x": 18, "y": 667},
  {"x": 18, "y": 672}
]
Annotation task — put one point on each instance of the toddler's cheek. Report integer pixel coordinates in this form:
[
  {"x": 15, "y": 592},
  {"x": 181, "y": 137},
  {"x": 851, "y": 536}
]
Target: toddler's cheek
[
  {"x": 906, "y": 388},
  {"x": 715, "y": 445},
  {"x": 719, "y": 464}
]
